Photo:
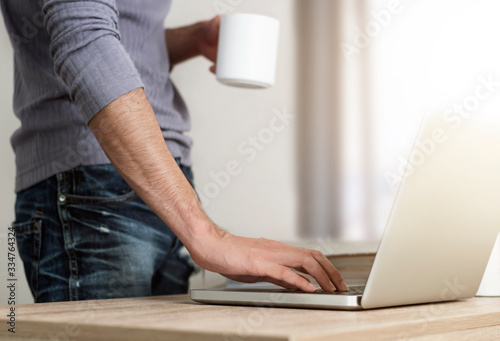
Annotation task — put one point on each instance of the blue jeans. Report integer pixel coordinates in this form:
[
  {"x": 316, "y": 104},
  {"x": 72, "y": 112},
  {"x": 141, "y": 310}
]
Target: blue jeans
[{"x": 84, "y": 234}]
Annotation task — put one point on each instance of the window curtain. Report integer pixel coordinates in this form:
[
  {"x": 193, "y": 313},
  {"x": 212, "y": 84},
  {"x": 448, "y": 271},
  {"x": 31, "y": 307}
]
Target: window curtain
[{"x": 335, "y": 123}]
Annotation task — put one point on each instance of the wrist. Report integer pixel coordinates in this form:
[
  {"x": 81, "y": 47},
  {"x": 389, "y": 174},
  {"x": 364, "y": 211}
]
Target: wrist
[{"x": 203, "y": 241}]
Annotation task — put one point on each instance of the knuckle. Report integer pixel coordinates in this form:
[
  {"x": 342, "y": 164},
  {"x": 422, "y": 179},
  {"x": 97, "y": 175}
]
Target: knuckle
[
  {"x": 337, "y": 275},
  {"x": 255, "y": 256},
  {"x": 286, "y": 274},
  {"x": 306, "y": 254},
  {"x": 310, "y": 261},
  {"x": 262, "y": 241},
  {"x": 317, "y": 254},
  {"x": 256, "y": 270}
]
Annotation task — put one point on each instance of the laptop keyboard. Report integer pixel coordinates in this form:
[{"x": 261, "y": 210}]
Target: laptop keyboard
[{"x": 353, "y": 290}]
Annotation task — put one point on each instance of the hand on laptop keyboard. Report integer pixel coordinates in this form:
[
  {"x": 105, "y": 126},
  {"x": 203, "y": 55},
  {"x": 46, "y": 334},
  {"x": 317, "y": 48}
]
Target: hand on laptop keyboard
[
  {"x": 353, "y": 290},
  {"x": 252, "y": 260}
]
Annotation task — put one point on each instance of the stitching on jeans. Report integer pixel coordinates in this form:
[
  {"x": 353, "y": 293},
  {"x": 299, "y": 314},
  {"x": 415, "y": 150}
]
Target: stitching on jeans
[
  {"x": 66, "y": 246},
  {"x": 71, "y": 237},
  {"x": 82, "y": 200},
  {"x": 39, "y": 231},
  {"x": 63, "y": 222},
  {"x": 72, "y": 250}
]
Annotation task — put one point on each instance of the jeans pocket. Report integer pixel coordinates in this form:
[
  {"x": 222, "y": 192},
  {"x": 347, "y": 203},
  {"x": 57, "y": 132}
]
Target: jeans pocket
[
  {"x": 100, "y": 200},
  {"x": 98, "y": 185},
  {"x": 29, "y": 244}
]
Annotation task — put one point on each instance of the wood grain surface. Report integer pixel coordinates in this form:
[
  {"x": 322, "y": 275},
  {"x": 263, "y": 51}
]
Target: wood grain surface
[{"x": 178, "y": 318}]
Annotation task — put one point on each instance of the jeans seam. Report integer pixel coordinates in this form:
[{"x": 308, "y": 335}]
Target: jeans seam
[
  {"x": 68, "y": 244},
  {"x": 73, "y": 251},
  {"x": 37, "y": 263},
  {"x": 82, "y": 200}
]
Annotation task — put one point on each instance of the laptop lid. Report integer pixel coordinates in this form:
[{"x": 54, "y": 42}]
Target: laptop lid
[{"x": 445, "y": 218}]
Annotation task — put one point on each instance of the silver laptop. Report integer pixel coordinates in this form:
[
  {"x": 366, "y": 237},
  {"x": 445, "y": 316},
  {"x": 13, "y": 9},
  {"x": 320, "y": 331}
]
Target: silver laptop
[{"x": 439, "y": 234}]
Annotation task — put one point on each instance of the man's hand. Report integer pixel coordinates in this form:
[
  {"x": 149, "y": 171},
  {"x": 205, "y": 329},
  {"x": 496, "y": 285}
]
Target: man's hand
[
  {"x": 209, "y": 40},
  {"x": 200, "y": 39},
  {"x": 252, "y": 260}
]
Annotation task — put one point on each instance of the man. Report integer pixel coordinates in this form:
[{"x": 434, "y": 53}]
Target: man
[{"x": 104, "y": 201}]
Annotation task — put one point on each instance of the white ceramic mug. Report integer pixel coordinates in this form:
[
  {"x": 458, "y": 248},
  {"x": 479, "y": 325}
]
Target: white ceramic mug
[
  {"x": 248, "y": 50},
  {"x": 490, "y": 285}
]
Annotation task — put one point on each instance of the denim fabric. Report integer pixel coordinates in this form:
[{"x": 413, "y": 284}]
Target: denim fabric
[{"x": 84, "y": 234}]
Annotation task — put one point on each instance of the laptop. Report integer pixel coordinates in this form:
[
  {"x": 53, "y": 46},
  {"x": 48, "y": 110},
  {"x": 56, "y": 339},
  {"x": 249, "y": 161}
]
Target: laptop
[{"x": 439, "y": 234}]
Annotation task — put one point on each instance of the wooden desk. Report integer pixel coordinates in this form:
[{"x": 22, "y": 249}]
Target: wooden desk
[{"x": 178, "y": 318}]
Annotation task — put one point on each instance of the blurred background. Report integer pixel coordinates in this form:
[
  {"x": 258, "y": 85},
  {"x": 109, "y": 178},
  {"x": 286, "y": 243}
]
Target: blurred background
[{"x": 354, "y": 79}]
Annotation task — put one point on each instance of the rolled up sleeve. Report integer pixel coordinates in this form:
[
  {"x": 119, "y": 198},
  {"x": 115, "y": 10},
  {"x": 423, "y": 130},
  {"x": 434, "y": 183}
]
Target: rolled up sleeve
[{"x": 88, "y": 54}]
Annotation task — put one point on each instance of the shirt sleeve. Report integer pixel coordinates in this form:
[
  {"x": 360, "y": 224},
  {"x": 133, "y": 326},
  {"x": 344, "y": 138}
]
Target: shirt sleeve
[{"x": 87, "y": 52}]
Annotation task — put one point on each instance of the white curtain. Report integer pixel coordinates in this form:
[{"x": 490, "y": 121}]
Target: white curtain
[
  {"x": 335, "y": 129},
  {"x": 369, "y": 71}
]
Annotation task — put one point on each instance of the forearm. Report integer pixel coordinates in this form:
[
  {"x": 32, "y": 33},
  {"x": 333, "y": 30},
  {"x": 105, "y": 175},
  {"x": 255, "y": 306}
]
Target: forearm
[
  {"x": 130, "y": 136},
  {"x": 182, "y": 43}
]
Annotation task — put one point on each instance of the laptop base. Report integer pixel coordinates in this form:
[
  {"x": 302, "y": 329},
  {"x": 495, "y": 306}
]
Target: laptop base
[{"x": 272, "y": 298}]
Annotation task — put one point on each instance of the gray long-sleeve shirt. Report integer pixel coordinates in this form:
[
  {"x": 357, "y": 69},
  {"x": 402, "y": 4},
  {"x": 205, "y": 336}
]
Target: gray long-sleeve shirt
[{"x": 72, "y": 58}]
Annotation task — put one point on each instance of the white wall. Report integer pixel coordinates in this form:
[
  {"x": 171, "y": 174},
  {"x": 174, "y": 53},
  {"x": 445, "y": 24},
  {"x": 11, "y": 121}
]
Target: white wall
[{"x": 262, "y": 199}]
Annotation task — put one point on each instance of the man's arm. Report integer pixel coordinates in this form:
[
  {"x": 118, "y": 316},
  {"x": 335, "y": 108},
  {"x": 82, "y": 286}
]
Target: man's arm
[
  {"x": 129, "y": 134},
  {"x": 87, "y": 52},
  {"x": 106, "y": 86}
]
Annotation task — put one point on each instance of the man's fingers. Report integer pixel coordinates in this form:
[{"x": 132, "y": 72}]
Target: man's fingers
[
  {"x": 213, "y": 30},
  {"x": 255, "y": 279},
  {"x": 287, "y": 275},
  {"x": 273, "y": 262},
  {"x": 313, "y": 268},
  {"x": 280, "y": 283},
  {"x": 216, "y": 20},
  {"x": 284, "y": 284},
  {"x": 332, "y": 272}
]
